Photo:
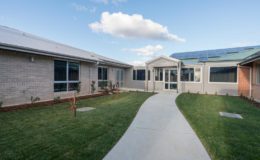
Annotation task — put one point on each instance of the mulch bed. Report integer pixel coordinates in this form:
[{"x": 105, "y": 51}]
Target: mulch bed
[{"x": 47, "y": 103}]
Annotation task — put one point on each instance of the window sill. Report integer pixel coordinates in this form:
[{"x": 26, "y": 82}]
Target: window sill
[{"x": 232, "y": 83}]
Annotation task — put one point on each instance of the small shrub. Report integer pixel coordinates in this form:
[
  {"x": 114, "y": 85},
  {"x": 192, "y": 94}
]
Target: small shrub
[
  {"x": 1, "y": 104},
  {"x": 216, "y": 93},
  {"x": 188, "y": 91},
  {"x": 206, "y": 93},
  {"x": 34, "y": 99},
  {"x": 78, "y": 87},
  {"x": 103, "y": 84},
  {"x": 227, "y": 94},
  {"x": 110, "y": 85},
  {"x": 93, "y": 88},
  {"x": 56, "y": 99},
  {"x": 198, "y": 92}
]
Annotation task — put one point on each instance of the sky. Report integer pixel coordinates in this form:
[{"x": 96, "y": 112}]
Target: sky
[{"x": 134, "y": 31}]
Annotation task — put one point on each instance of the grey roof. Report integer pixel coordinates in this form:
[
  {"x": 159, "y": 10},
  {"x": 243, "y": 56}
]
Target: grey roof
[
  {"x": 228, "y": 54},
  {"x": 251, "y": 58},
  {"x": 17, "y": 40}
]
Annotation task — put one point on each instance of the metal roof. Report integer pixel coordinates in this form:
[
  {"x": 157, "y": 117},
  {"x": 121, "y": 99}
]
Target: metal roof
[
  {"x": 17, "y": 40},
  {"x": 229, "y": 54},
  {"x": 251, "y": 58}
]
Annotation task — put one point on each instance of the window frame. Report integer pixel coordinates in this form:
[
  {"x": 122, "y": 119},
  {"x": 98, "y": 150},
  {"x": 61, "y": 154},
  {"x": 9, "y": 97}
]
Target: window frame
[
  {"x": 194, "y": 68},
  {"x": 67, "y": 81},
  {"x": 149, "y": 75},
  {"x": 102, "y": 79},
  {"x": 161, "y": 79},
  {"x": 135, "y": 73},
  {"x": 209, "y": 68},
  {"x": 120, "y": 78}
]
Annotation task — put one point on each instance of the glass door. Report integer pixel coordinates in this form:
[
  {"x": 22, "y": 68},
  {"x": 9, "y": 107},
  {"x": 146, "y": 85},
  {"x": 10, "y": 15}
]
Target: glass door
[
  {"x": 120, "y": 78},
  {"x": 170, "y": 79}
]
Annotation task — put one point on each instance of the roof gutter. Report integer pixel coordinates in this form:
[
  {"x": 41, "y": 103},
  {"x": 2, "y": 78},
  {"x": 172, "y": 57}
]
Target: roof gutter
[
  {"x": 115, "y": 64},
  {"x": 44, "y": 53},
  {"x": 250, "y": 60}
]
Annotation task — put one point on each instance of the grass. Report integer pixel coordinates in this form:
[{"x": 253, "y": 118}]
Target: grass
[
  {"x": 53, "y": 132},
  {"x": 224, "y": 138}
]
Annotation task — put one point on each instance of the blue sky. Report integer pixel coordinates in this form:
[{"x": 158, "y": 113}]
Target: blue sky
[{"x": 134, "y": 31}]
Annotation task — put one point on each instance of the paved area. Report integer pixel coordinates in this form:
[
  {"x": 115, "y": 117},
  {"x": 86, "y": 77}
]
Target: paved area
[
  {"x": 85, "y": 109},
  {"x": 159, "y": 132}
]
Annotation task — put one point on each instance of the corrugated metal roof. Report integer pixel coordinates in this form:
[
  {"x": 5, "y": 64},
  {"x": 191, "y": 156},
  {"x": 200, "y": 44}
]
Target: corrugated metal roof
[
  {"x": 16, "y": 38},
  {"x": 229, "y": 54},
  {"x": 238, "y": 56}
]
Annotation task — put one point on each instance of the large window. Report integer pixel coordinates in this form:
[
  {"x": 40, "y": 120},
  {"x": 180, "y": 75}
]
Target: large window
[
  {"x": 102, "y": 77},
  {"x": 139, "y": 74},
  {"x": 158, "y": 74},
  {"x": 258, "y": 73},
  {"x": 187, "y": 74},
  {"x": 120, "y": 77},
  {"x": 66, "y": 76},
  {"x": 223, "y": 74},
  {"x": 190, "y": 74}
]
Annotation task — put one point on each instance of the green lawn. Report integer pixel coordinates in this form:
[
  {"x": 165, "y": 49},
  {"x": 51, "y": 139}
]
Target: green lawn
[
  {"x": 224, "y": 138},
  {"x": 53, "y": 132}
]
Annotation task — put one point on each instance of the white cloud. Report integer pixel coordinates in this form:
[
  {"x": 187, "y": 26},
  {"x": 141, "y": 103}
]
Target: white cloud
[
  {"x": 146, "y": 51},
  {"x": 138, "y": 63},
  {"x": 79, "y": 7},
  {"x": 132, "y": 26},
  {"x": 83, "y": 8}
]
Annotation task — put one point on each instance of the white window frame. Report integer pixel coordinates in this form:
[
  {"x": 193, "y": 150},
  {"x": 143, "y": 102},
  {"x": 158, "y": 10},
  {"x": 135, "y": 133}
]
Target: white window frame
[
  {"x": 67, "y": 74},
  {"x": 121, "y": 77},
  {"x": 164, "y": 82},
  {"x": 107, "y": 75},
  {"x": 209, "y": 68},
  {"x": 201, "y": 73},
  {"x": 158, "y": 68}
]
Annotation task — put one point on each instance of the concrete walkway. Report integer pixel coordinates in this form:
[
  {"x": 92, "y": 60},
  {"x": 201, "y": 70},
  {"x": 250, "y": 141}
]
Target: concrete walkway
[{"x": 159, "y": 132}]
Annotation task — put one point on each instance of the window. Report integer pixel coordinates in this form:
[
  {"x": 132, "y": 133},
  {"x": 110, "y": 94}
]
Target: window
[
  {"x": 120, "y": 77},
  {"x": 158, "y": 74},
  {"x": 102, "y": 77},
  {"x": 190, "y": 74},
  {"x": 223, "y": 74},
  {"x": 139, "y": 74},
  {"x": 134, "y": 74},
  {"x": 258, "y": 73},
  {"x": 149, "y": 74},
  {"x": 66, "y": 76},
  {"x": 187, "y": 74}
]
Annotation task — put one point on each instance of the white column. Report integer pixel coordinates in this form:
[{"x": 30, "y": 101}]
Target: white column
[{"x": 179, "y": 77}]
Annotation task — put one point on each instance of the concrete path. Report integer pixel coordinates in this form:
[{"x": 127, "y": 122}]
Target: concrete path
[{"x": 159, "y": 132}]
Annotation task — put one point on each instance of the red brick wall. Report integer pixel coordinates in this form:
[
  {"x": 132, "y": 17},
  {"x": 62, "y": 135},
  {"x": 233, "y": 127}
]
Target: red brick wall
[{"x": 243, "y": 81}]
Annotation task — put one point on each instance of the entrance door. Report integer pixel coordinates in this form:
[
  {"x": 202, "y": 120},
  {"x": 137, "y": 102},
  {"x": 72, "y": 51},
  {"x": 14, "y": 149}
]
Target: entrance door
[
  {"x": 120, "y": 77},
  {"x": 170, "y": 79}
]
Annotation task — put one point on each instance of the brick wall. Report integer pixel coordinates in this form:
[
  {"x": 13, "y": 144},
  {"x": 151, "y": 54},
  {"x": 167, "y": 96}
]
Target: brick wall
[{"x": 20, "y": 78}]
